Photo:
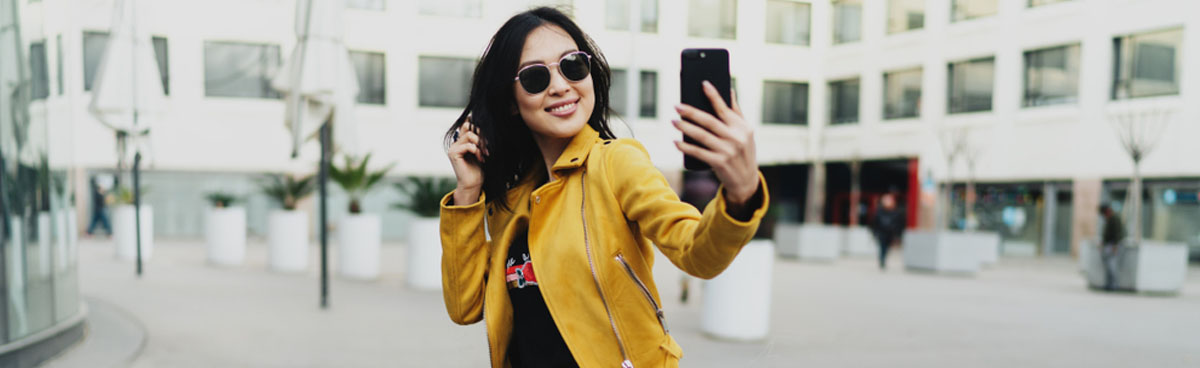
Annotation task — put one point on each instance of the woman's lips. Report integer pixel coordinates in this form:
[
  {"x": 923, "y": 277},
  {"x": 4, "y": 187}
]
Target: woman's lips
[{"x": 564, "y": 110}]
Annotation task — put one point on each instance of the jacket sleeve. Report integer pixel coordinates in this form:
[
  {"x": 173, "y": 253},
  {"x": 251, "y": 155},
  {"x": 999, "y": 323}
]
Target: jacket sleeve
[
  {"x": 701, "y": 244},
  {"x": 464, "y": 259}
]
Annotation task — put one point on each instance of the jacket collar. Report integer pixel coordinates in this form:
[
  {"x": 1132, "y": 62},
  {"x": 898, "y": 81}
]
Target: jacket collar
[{"x": 577, "y": 151}]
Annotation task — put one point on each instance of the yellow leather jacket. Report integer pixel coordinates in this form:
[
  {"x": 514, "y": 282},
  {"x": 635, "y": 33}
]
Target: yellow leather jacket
[{"x": 591, "y": 230}]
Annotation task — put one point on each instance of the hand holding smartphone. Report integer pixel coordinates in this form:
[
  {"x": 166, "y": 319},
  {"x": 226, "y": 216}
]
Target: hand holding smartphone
[{"x": 697, "y": 66}]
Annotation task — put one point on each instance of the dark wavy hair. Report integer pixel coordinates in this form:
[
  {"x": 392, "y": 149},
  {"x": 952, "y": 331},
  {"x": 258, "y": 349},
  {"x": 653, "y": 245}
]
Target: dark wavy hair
[{"x": 492, "y": 107}]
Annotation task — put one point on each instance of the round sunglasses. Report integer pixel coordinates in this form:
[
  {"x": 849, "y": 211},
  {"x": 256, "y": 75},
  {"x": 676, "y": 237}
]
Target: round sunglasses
[{"x": 574, "y": 67}]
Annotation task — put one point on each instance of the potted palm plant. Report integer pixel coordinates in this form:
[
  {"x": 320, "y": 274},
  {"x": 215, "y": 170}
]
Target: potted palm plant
[
  {"x": 424, "y": 242},
  {"x": 125, "y": 226},
  {"x": 225, "y": 230},
  {"x": 287, "y": 230},
  {"x": 358, "y": 233}
]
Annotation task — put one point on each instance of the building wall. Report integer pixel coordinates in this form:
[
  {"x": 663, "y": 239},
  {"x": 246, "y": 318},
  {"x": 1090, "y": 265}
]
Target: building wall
[{"x": 1060, "y": 142}]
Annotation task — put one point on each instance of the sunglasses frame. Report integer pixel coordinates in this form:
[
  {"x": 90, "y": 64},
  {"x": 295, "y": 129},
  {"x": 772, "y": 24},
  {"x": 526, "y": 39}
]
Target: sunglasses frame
[{"x": 587, "y": 56}]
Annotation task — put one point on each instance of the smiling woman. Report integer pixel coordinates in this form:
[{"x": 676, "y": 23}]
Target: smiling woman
[{"x": 535, "y": 159}]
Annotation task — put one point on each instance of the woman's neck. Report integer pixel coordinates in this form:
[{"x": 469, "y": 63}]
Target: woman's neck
[{"x": 551, "y": 149}]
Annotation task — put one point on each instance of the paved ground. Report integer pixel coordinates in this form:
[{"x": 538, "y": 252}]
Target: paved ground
[{"x": 1023, "y": 312}]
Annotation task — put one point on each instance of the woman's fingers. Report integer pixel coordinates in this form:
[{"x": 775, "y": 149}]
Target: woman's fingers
[
  {"x": 736, "y": 107},
  {"x": 717, "y": 101},
  {"x": 709, "y": 157},
  {"x": 702, "y": 136},
  {"x": 703, "y": 119}
]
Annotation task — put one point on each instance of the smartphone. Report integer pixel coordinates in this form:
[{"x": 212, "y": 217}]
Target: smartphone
[{"x": 697, "y": 66}]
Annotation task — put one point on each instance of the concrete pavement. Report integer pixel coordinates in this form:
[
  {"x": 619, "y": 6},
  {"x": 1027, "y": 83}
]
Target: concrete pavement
[{"x": 1023, "y": 312}]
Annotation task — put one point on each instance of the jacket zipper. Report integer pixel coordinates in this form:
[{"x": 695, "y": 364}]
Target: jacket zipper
[
  {"x": 658, "y": 312},
  {"x": 625, "y": 362}
]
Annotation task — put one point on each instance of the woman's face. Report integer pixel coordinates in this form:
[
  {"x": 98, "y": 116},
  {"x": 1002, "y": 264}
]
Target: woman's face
[{"x": 560, "y": 111}]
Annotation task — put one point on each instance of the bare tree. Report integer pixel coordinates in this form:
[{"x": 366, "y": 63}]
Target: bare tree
[
  {"x": 972, "y": 150},
  {"x": 953, "y": 141},
  {"x": 1140, "y": 128},
  {"x": 814, "y": 209},
  {"x": 855, "y": 187}
]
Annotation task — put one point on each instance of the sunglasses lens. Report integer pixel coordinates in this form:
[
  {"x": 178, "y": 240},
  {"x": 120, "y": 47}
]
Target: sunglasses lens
[
  {"x": 535, "y": 79},
  {"x": 575, "y": 67}
]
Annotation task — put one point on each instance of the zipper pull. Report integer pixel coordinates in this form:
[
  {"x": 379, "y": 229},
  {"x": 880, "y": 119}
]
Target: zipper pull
[{"x": 626, "y": 364}]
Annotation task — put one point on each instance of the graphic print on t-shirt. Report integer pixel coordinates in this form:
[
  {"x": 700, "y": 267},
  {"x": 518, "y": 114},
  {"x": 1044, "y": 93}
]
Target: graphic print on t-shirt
[{"x": 520, "y": 275}]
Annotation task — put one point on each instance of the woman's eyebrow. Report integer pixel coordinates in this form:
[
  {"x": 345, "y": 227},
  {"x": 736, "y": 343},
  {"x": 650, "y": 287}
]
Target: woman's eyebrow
[{"x": 531, "y": 62}]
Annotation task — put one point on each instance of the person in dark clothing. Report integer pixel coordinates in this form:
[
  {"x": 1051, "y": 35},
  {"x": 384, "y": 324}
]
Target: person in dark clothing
[
  {"x": 888, "y": 226},
  {"x": 1110, "y": 245},
  {"x": 99, "y": 208}
]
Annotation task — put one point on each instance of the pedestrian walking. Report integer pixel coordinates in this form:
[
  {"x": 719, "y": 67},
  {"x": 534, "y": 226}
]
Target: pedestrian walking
[
  {"x": 100, "y": 198},
  {"x": 1110, "y": 245},
  {"x": 888, "y": 226}
]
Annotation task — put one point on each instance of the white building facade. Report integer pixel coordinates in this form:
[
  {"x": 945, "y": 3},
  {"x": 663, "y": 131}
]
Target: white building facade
[{"x": 1032, "y": 81}]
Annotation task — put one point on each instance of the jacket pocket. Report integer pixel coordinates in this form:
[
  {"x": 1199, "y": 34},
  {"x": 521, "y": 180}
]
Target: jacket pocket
[
  {"x": 658, "y": 312},
  {"x": 671, "y": 348}
]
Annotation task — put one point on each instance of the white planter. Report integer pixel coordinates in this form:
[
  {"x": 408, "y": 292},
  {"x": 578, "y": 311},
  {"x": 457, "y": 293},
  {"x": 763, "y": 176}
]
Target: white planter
[
  {"x": 287, "y": 237},
  {"x": 72, "y": 236},
  {"x": 737, "y": 303},
  {"x": 1152, "y": 267},
  {"x": 1019, "y": 249},
  {"x": 425, "y": 254},
  {"x": 358, "y": 246},
  {"x": 15, "y": 257},
  {"x": 62, "y": 239},
  {"x": 44, "y": 244},
  {"x": 225, "y": 236},
  {"x": 940, "y": 252},
  {"x": 858, "y": 241},
  {"x": 809, "y": 242},
  {"x": 987, "y": 243},
  {"x": 124, "y": 233}
]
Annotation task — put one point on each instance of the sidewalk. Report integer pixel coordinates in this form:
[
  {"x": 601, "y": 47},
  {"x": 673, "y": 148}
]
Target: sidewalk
[{"x": 1023, "y": 312}]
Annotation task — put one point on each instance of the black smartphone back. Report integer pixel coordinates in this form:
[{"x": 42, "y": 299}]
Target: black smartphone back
[{"x": 699, "y": 65}]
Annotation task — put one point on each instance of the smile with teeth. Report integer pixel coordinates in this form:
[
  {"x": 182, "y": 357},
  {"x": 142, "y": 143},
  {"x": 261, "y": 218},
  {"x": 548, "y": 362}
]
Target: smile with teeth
[
  {"x": 563, "y": 110},
  {"x": 563, "y": 107}
]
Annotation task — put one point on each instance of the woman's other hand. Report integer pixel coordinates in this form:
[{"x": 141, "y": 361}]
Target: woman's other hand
[
  {"x": 467, "y": 153},
  {"x": 728, "y": 145}
]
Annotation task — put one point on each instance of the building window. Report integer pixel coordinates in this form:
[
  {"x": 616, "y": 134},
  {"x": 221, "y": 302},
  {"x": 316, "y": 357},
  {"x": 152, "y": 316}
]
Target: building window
[
  {"x": 970, "y": 85},
  {"x": 843, "y": 101},
  {"x": 1051, "y": 76},
  {"x": 164, "y": 68},
  {"x": 1033, "y": 3},
  {"x": 712, "y": 19},
  {"x": 617, "y": 15},
  {"x": 1147, "y": 64},
  {"x": 785, "y": 103},
  {"x": 58, "y": 42},
  {"x": 379, "y": 5},
  {"x": 618, "y": 92},
  {"x": 371, "y": 68},
  {"x": 94, "y": 44},
  {"x": 788, "y": 22},
  {"x": 847, "y": 21},
  {"x": 234, "y": 69},
  {"x": 39, "y": 71},
  {"x": 444, "y": 81},
  {"x": 452, "y": 8},
  {"x": 650, "y": 16},
  {"x": 905, "y": 15},
  {"x": 565, "y": 6},
  {"x": 902, "y": 94},
  {"x": 648, "y": 95},
  {"x": 961, "y": 10}
]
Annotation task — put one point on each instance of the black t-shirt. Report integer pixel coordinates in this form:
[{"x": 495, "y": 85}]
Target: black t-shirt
[{"x": 536, "y": 341}]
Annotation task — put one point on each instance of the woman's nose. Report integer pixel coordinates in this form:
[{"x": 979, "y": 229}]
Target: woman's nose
[{"x": 558, "y": 84}]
